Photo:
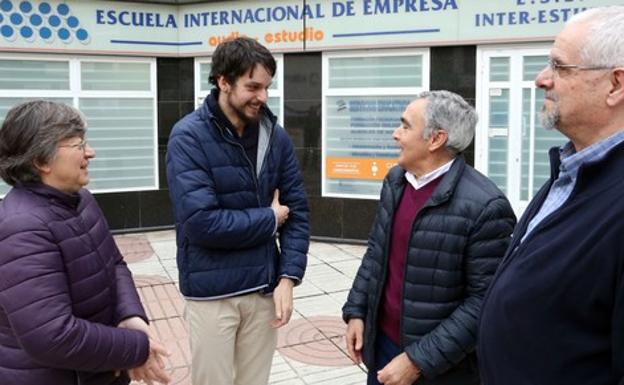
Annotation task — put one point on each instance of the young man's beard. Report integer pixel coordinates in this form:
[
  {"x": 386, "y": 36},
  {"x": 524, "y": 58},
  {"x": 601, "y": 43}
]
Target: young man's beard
[
  {"x": 246, "y": 118},
  {"x": 240, "y": 112}
]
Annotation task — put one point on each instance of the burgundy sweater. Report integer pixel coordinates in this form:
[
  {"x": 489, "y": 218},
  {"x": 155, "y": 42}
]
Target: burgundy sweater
[{"x": 412, "y": 201}]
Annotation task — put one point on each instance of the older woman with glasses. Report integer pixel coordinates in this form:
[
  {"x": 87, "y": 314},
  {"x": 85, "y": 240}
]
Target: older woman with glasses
[{"x": 69, "y": 311}]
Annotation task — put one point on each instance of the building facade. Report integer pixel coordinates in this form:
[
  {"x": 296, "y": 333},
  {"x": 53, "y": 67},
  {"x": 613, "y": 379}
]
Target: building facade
[{"x": 346, "y": 71}]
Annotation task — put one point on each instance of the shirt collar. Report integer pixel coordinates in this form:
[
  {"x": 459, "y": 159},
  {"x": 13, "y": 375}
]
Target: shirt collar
[
  {"x": 572, "y": 160},
  {"x": 424, "y": 180}
]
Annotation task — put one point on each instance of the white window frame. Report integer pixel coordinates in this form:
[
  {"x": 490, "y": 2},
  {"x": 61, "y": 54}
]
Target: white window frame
[
  {"x": 76, "y": 93},
  {"x": 273, "y": 93},
  {"x": 361, "y": 91},
  {"x": 515, "y": 85}
]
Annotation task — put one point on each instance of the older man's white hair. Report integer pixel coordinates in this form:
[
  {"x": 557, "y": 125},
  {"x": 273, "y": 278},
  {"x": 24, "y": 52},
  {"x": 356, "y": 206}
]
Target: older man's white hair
[{"x": 604, "y": 43}]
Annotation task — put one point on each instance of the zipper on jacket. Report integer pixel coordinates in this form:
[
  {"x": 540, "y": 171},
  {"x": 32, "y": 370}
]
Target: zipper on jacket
[
  {"x": 518, "y": 244},
  {"x": 256, "y": 184},
  {"x": 271, "y": 261},
  {"x": 384, "y": 274},
  {"x": 401, "y": 334},
  {"x": 581, "y": 176},
  {"x": 266, "y": 155},
  {"x": 103, "y": 261},
  {"x": 251, "y": 167},
  {"x": 409, "y": 241},
  {"x": 418, "y": 214}
]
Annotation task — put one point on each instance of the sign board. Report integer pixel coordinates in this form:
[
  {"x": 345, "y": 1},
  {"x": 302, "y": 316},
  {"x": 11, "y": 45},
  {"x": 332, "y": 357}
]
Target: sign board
[{"x": 121, "y": 28}]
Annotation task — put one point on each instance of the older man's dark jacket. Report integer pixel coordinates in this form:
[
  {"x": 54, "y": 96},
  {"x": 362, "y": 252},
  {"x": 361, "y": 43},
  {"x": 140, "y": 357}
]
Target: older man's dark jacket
[
  {"x": 458, "y": 239},
  {"x": 555, "y": 311}
]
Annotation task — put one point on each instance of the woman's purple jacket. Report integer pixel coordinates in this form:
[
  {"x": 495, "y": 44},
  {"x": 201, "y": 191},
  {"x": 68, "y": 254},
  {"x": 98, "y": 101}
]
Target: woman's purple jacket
[{"x": 63, "y": 288}]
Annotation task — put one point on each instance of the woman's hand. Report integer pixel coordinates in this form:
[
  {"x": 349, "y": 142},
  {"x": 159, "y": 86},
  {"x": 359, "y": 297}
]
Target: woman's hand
[{"x": 154, "y": 368}]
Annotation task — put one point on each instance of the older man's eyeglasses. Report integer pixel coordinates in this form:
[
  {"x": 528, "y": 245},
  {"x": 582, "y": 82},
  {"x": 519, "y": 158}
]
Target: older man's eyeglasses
[
  {"x": 80, "y": 146},
  {"x": 555, "y": 66}
]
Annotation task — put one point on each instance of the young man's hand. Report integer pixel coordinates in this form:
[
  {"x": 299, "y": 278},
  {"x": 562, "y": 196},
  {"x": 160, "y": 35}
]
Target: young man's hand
[
  {"x": 281, "y": 211},
  {"x": 283, "y": 300}
]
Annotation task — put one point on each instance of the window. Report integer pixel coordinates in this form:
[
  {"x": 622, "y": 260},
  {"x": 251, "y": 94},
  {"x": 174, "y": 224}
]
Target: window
[
  {"x": 511, "y": 146},
  {"x": 364, "y": 94},
  {"x": 117, "y": 97},
  {"x": 276, "y": 90}
]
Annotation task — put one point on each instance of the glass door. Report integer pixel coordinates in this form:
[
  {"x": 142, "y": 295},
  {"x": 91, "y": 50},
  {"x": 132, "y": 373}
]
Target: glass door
[{"x": 511, "y": 145}]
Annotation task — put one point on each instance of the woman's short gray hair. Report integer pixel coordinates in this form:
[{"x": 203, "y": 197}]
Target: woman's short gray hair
[
  {"x": 604, "y": 42},
  {"x": 449, "y": 112},
  {"x": 30, "y": 134}
]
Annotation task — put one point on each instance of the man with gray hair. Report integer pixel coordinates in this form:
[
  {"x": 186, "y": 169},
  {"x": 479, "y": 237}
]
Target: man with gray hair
[
  {"x": 440, "y": 231},
  {"x": 555, "y": 310}
]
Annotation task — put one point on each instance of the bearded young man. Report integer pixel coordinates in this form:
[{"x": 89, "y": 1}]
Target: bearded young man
[
  {"x": 235, "y": 187},
  {"x": 555, "y": 310}
]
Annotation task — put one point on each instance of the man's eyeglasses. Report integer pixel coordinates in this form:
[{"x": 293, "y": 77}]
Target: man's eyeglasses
[
  {"x": 80, "y": 146},
  {"x": 556, "y": 66}
]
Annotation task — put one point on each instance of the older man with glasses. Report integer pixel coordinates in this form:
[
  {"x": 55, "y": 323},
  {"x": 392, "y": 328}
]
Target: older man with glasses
[{"x": 554, "y": 313}]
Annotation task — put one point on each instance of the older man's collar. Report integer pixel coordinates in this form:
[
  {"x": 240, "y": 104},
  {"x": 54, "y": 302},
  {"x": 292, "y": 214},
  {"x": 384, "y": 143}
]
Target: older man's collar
[{"x": 424, "y": 180}]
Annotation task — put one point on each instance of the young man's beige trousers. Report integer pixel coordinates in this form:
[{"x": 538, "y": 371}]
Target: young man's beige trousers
[{"x": 232, "y": 341}]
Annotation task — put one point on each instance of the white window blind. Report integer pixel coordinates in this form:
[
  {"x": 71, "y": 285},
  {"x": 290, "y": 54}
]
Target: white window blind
[
  {"x": 123, "y": 140},
  {"x": 34, "y": 75},
  {"x": 106, "y": 76},
  {"x": 117, "y": 97},
  {"x": 376, "y": 71}
]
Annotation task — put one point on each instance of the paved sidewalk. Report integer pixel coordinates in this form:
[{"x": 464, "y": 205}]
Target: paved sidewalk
[{"x": 310, "y": 349}]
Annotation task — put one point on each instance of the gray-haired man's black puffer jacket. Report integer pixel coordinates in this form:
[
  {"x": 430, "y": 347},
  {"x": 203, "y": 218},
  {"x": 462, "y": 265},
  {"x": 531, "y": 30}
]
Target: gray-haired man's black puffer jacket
[{"x": 458, "y": 239}]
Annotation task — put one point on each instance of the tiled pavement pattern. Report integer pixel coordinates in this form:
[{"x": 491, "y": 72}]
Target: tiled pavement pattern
[{"x": 310, "y": 348}]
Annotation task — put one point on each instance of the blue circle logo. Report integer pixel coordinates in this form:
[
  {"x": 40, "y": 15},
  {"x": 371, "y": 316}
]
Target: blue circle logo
[
  {"x": 54, "y": 21},
  {"x": 26, "y": 32},
  {"x": 63, "y": 33},
  {"x": 45, "y": 33},
  {"x": 72, "y": 22},
  {"x": 36, "y": 20},
  {"x": 28, "y": 20},
  {"x": 25, "y": 7},
  {"x": 63, "y": 9},
  {"x": 45, "y": 8},
  {"x": 6, "y": 5},
  {"x": 16, "y": 18},
  {"x": 82, "y": 35},
  {"x": 6, "y": 31}
]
